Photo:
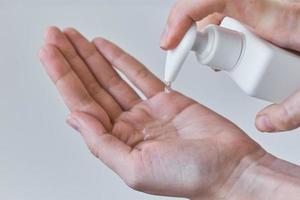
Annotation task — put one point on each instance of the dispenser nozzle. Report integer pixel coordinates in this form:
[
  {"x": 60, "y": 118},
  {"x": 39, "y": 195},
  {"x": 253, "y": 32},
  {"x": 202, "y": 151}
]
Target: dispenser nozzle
[{"x": 177, "y": 56}]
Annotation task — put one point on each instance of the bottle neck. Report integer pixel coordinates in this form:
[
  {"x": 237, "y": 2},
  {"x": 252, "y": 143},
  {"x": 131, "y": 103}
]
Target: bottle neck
[{"x": 218, "y": 47}]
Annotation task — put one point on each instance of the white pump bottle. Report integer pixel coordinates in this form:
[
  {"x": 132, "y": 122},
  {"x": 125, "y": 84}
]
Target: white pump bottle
[{"x": 260, "y": 68}]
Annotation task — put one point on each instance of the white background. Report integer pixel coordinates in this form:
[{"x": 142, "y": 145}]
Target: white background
[{"x": 41, "y": 158}]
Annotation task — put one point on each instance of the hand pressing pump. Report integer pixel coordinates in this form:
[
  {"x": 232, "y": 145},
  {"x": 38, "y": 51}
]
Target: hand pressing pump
[{"x": 260, "y": 68}]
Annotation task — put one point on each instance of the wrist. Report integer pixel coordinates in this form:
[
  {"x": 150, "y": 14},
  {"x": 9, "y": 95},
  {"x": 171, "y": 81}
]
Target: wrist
[{"x": 264, "y": 177}]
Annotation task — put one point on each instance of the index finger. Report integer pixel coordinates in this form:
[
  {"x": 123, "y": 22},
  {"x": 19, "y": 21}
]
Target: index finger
[
  {"x": 183, "y": 14},
  {"x": 257, "y": 14}
]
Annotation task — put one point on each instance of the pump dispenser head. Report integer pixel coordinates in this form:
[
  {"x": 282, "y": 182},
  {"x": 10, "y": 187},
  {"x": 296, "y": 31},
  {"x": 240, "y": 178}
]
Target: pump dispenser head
[{"x": 215, "y": 46}]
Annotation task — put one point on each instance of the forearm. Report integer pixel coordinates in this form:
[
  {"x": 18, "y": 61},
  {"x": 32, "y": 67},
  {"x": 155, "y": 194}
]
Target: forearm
[{"x": 268, "y": 178}]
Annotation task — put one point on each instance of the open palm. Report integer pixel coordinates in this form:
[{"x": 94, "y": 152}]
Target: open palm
[{"x": 167, "y": 145}]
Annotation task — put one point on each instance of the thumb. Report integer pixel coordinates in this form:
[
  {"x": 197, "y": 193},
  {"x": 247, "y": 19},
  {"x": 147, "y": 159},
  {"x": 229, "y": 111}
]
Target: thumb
[
  {"x": 280, "y": 117},
  {"x": 109, "y": 149}
]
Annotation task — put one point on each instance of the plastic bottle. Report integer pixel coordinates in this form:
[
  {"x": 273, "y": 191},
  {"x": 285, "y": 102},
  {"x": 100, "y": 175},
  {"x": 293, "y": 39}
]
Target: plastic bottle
[{"x": 260, "y": 68}]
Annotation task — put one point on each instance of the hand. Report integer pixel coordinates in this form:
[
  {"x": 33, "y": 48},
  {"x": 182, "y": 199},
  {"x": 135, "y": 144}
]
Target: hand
[
  {"x": 273, "y": 20},
  {"x": 165, "y": 145},
  {"x": 276, "y": 21}
]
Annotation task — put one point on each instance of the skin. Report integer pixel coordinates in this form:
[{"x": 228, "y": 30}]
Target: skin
[
  {"x": 273, "y": 20},
  {"x": 167, "y": 144}
]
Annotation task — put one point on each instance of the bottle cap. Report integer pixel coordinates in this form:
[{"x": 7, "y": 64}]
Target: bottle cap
[{"x": 218, "y": 47}]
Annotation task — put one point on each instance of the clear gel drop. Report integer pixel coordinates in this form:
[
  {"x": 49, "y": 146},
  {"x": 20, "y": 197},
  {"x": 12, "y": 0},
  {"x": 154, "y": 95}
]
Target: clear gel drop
[{"x": 168, "y": 87}]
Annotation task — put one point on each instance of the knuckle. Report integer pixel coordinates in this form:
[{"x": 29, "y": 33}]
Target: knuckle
[
  {"x": 65, "y": 73},
  {"x": 93, "y": 147},
  {"x": 50, "y": 50},
  {"x": 93, "y": 88},
  {"x": 120, "y": 56},
  {"x": 177, "y": 7},
  {"x": 175, "y": 10},
  {"x": 96, "y": 146},
  {"x": 53, "y": 33},
  {"x": 90, "y": 53},
  {"x": 286, "y": 119},
  {"x": 71, "y": 54},
  {"x": 113, "y": 82},
  {"x": 85, "y": 101},
  {"x": 133, "y": 100},
  {"x": 98, "y": 41},
  {"x": 142, "y": 73}
]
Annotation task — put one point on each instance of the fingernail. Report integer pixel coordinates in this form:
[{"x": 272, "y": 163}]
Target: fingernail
[
  {"x": 164, "y": 38},
  {"x": 73, "y": 123},
  {"x": 264, "y": 124}
]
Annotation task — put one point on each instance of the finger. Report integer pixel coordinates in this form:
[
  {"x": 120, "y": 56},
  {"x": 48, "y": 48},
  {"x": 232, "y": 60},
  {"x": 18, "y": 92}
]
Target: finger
[
  {"x": 136, "y": 72},
  {"x": 183, "y": 14},
  {"x": 70, "y": 87},
  {"x": 109, "y": 149},
  {"x": 56, "y": 37},
  {"x": 103, "y": 71},
  {"x": 280, "y": 117},
  {"x": 215, "y": 18}
]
